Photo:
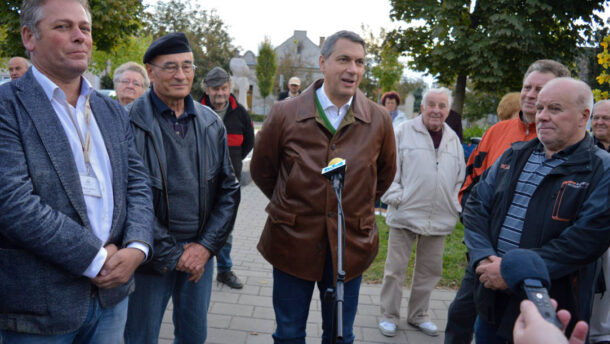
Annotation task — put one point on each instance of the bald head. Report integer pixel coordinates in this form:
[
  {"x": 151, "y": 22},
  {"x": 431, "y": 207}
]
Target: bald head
[
  {"x": 17, "y": 66},
  {"x": 562, "y": 111}
]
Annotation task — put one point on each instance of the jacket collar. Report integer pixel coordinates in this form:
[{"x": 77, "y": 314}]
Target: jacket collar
[
  {"x": 205, "y": 100},
  {"x": 307, "y": 108},
  {"x": 531, "y": 127},
  {"x": 418, "y": 125},
  {"x": 141, "y": 112},
  {"x": 578, "y": 156}
]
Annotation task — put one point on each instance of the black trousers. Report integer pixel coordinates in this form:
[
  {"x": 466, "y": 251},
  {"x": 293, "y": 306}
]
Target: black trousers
[{"x": 462, "y": 312}]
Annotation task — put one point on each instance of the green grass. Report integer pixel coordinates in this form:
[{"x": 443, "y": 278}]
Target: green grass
[{"x": 454, "y": 258}]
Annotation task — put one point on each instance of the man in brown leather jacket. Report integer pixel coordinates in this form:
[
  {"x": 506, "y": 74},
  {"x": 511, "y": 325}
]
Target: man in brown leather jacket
[{"x": 330, "y": 119}]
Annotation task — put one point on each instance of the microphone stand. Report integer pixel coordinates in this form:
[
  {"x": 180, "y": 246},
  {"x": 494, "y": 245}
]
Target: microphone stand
[{"x": 336, "y": 295}]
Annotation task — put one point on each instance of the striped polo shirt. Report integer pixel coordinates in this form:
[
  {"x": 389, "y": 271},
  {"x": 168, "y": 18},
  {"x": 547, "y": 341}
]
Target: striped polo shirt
[{"x": 536, "y": 168}]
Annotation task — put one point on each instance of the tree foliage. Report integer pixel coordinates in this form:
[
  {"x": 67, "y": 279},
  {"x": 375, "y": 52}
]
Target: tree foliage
[
  {"x": 493, "y": 43},
  {"x": 212, "y": 46},
  {"x": 603, "y": 79},
  {"x": 388, "y": 70},
  {"x": 383, "y": 69},
  {"x": 132, "y": 49},
  {"x": 112, "y": 22},
  {"x": 266, "y": 67}
]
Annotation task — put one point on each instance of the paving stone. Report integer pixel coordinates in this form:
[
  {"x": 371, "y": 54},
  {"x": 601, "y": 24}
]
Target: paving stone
[
  {"x": 224, "y": 336},
  {"x": 252, "y": 325},
  {"x": 372, "y": 335},
  {"x": 232, "y": 309},
  {"x": 166, "y": 331},
  {"x": 255, "y": 300},
  {"x": 260, "y": 338},
  {"x": 224, "y": 296},
  {"x": 218, "y": 320},
  {"x": 264, "y": 313}
]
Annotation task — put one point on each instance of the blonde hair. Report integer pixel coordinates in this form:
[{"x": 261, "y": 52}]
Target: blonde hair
[{"x": 508, "y": 106}]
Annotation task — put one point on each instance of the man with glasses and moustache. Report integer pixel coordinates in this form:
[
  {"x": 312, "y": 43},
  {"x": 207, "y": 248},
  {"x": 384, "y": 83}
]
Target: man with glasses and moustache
[{"x": 195, "y": 195}]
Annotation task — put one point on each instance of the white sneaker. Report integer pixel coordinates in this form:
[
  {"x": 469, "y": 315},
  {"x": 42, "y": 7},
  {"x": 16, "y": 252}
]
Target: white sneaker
[
  {"x": 427, "y": 327},
  {"x": 387, "y": 328}
]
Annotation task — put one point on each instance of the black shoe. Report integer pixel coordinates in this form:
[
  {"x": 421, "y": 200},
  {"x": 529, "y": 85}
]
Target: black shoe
[{"x": 229, "y": 278}]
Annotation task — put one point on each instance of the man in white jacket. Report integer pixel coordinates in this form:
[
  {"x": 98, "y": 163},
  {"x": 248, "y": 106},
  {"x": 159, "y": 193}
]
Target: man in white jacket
[{"x": 423, "y": 207}]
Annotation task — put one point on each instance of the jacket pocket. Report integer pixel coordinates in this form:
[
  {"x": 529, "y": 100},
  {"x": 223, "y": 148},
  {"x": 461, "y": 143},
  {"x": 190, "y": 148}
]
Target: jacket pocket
[
  {"x": 279, "y": 216},
  {"x": 568, "y": 200},
  {"x": 22, "y": 283},
  {"x": 367, "y": 223}
]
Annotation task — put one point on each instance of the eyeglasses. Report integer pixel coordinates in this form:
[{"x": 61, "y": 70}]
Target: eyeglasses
[
  {"x": 172, "y": 68},
  {"x": 126, "y": 82}
]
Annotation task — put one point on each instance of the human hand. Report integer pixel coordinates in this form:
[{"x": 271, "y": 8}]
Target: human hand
[
  {"x": 119, "y": 268},
  {"x": 490, "y": 276},
  {"x": 532, "y": 328},
  {"x": 193, "y": 260},
  {"x": 111, "y": 249}
]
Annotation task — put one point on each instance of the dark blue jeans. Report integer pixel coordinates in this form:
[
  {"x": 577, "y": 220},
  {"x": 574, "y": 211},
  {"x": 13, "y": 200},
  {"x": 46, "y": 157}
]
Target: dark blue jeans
[
  {"x": 102, "y": 326},
  {"x": 190, "y": 301},
  {"x": 486, "y": 333},
  {"x": 223, "y": 259},
  {"x": 291, "y": 300}
]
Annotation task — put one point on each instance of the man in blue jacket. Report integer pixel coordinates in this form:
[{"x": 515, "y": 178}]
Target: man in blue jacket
[
  {"x": 75, "y": 202},
  {"x": 550, "y": 195}
]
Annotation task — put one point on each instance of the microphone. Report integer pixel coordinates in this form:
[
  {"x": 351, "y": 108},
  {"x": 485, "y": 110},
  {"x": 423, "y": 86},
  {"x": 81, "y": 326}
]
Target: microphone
[
  {"x": 524, "y": 270},
  {"x": 335, "y": 171}
]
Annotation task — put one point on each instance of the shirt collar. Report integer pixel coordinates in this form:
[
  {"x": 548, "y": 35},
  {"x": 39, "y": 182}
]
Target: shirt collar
[
  {"x": 52, "y": 90},
  {"x": 189, "y": 106},
  {"x": 325, "y": 101}
]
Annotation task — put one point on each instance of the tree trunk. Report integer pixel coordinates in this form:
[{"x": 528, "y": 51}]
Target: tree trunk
[{"x": 460, "y": 93}]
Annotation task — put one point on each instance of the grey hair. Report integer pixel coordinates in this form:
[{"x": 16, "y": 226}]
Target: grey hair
[
  {"x": 329, "y": 44},
  {"x": 205, "y": 86},
  {"x": 548, "y": 66},
  {"x": 134, "y": 67},
  {"x": 31, "y": 14},
  {"x": 601, "y": 102},
  {"x": 440, "y": 90}
]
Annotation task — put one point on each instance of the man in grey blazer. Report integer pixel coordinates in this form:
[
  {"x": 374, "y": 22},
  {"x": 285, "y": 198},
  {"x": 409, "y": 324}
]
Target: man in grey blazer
[{"x": 75, "y": 201}]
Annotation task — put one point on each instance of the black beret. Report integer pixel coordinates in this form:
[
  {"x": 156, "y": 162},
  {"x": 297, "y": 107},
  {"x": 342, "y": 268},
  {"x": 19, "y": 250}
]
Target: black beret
[{"x": 172, "y": 43}]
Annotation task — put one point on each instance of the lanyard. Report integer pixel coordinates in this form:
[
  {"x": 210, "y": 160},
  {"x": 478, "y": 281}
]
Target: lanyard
[
  {"x": 86, "y": 141},
  {"x": 327, "y": 123}
]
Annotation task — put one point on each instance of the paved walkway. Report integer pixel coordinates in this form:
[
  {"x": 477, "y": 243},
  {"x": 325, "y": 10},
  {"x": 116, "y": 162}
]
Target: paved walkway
[{"x": 246, "y": 316}]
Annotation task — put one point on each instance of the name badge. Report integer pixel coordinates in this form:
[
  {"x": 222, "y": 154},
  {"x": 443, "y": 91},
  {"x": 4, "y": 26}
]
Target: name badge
[{"x": 91, "y": 186}]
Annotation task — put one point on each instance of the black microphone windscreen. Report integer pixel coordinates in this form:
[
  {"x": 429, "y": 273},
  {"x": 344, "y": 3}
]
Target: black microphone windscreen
[{"x": 520, "y": 264}]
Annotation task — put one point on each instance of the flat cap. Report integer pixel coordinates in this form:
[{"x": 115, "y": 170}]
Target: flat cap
[
  {"x": 216, "y": 77},
  {"x": 172, "y": 43}
]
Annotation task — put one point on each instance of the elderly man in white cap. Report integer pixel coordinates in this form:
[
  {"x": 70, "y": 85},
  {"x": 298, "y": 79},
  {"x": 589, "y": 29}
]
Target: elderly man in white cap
[{"x": 294, "y": 89}]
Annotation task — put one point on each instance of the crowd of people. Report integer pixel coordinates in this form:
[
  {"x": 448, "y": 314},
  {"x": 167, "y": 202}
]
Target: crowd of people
[{"x": 110, "y": 208}]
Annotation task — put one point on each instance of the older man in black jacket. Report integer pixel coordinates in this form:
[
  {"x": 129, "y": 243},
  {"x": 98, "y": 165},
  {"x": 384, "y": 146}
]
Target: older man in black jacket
[
  {"x": 240, "y": 137},
  {"x": 196, "y": 195},
  {"x": 551, "y": 195}
]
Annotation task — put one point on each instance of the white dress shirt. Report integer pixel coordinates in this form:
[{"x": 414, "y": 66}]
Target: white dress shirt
[
  {"x": 334, "y": 115},
  {"x": 99, "y": 209}
]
